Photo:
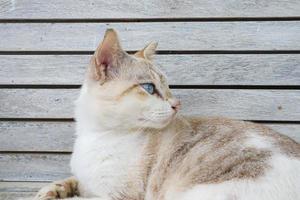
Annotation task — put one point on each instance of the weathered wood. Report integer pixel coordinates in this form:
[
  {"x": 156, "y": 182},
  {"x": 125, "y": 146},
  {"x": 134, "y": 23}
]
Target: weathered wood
[
  {"x": 206, "y": 69},
  {"x": 19, "y": 190},
  {"x": 36, "y": 136},
  {"x": 17, "y": 195},
  {"x": 59, "y": 136},
  {"x": 34, "y": 167},
  {"x": 171, "y": 36},
  {"x": 12, "y": 186},
  {"x": 95, "y": 9},
  {"x": 240, "y": 104}
]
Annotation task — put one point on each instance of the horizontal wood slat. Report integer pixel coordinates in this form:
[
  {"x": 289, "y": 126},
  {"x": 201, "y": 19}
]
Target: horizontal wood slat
[
  {"x": 59, "y": 136},
  {"x": 17, "y": 195},
  {"x": 203, "y": 69},
  {"x": 19, "y": 190},
  {"x": 34, "y": 167},
  {"x": 245, "y": 104},
  {"x": 240, "y": 104},
  {"x": 101, "y": 9},
  {"x": 37, "y": 136},
  {"x": 281, "y": 35},
  {"x": 13, "y": 186}
]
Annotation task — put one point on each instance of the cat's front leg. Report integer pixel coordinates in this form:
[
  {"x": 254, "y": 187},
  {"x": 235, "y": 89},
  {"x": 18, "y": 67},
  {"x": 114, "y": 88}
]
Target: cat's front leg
[{"x": 59, "y": 190}]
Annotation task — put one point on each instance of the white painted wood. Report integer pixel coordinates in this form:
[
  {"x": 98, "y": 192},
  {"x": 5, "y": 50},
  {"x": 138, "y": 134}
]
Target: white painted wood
[
  {"x": 206, "y": 69},
  {"x": 17, "y": 195},
  {"x": 59, "y": 136},
  {"x": 37, "y": 103},
  {"x": 95, "y": 9},
  {"x": 240, "y": 104},
  {"x": 36, "y": 136},
  {"x": 19, "y": 190},
  {"x": 262, "y": 35},
  {"x": 34, "y": 167},
  {"x": 13, "y": 186}
]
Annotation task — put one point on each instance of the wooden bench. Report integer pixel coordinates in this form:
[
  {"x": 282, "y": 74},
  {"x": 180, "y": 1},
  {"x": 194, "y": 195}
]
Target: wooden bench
[{"x": 239, "y": 59}]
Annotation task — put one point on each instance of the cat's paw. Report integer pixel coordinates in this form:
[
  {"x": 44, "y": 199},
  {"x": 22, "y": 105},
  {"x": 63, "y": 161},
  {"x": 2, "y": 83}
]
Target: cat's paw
[{"x": 58, "y": 190}]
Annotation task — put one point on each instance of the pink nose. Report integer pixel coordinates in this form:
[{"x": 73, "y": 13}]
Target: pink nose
[{"x": 175, "y": 104}]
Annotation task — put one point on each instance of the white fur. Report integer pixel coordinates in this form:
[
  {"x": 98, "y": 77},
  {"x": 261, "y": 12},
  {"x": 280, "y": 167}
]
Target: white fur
[
  {"x": 281, "y": 182},
  {"x": 257, "y": 141},
  {"x": 107, "y": 150},
  {"x": 103, "y": 163}
]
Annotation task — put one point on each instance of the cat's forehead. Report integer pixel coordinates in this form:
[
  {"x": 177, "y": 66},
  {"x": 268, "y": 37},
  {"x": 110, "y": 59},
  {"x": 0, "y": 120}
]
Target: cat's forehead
[{"x": 142, "y": 70}]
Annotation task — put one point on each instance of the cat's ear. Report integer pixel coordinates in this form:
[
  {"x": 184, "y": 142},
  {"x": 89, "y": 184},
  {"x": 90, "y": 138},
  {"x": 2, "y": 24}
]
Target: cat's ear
[
  {"x": 147, "y": 52},
  {"x": 107, "y": 56}
]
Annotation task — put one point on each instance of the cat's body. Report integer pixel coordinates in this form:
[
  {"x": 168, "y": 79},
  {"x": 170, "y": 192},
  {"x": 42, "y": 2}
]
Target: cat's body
[
  {"x": 130, "y": 145},
  {"x": 194, "y": 159}
]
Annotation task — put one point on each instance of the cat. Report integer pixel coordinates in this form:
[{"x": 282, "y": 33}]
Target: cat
[{"x": 133, "y": 145}]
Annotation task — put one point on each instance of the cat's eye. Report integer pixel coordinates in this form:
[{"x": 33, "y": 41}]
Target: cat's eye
[{"x": 149, "y": 87}]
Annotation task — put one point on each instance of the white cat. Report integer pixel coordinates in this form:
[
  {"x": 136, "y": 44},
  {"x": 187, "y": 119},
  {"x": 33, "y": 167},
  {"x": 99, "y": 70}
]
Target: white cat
[{"x": 131, "y": 145}]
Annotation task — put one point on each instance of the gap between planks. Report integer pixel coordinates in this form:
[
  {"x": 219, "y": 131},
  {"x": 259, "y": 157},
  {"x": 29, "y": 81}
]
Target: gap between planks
[
  {"x": 159, "y": 52},
  {"x": 149, "y": 20},
  {"x": 228, "y": 87}
]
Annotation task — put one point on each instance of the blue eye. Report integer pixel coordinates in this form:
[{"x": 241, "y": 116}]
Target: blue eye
[{"x": 149, "y": 87}]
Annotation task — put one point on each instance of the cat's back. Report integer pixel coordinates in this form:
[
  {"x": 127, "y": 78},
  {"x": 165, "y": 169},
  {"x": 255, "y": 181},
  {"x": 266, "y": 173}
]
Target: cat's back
[
  {"x": 207, "y": 155},
  {"x": 235, "y": 134}
]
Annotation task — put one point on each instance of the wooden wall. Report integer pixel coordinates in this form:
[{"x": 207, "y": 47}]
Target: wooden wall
[{"x": 237, "y": 58}]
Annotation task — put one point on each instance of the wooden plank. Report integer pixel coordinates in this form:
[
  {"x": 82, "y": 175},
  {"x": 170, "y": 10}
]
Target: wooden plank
[
  {"x": 201, "y": 69},
  {"x": 19, "y": 190},
  {"x": 36, "y": 136},
  {"x": 95, "y": 9},
  {"x": 17, "y": 187},
  {"x": 261, "y": 35},
  {"x": 59, "y": 136},
  {"x": 34, "y": 167},
  {"x": 240, "y": 104},
  {"x": 17, "y": 195}
]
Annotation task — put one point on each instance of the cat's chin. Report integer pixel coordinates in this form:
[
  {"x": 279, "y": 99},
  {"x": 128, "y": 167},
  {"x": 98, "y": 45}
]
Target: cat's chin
[{"x": 156, "y": 124}]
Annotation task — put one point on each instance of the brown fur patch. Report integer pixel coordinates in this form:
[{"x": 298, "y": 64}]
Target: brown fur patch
[
  {"x": 206, "y": 151},
  {"x": 285, "y": 144}
]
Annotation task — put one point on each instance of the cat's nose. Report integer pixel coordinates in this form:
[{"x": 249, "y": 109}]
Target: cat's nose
[{"x": 175, "y": 104}]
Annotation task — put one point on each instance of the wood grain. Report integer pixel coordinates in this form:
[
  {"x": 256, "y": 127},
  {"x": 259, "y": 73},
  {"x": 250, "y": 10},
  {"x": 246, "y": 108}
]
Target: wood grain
[
  {"x": 98, "y": 9},
  {"x": 13, "y": 186},
  {"x": 34, "y": 167},
  {"x": 201, "y": 69},
  {"x": 171, "y": 36},
  {"x": 18, "y": 136},
  {"x": 240, "y": 104},
  {"x": 17, "y": 195},
  {"x": 37, "y": 136},
  {"x": 19, "y": 190}
]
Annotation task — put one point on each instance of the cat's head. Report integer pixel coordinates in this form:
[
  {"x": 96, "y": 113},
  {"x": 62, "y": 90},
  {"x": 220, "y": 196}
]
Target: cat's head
[{"x": 126, "y": 91}]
